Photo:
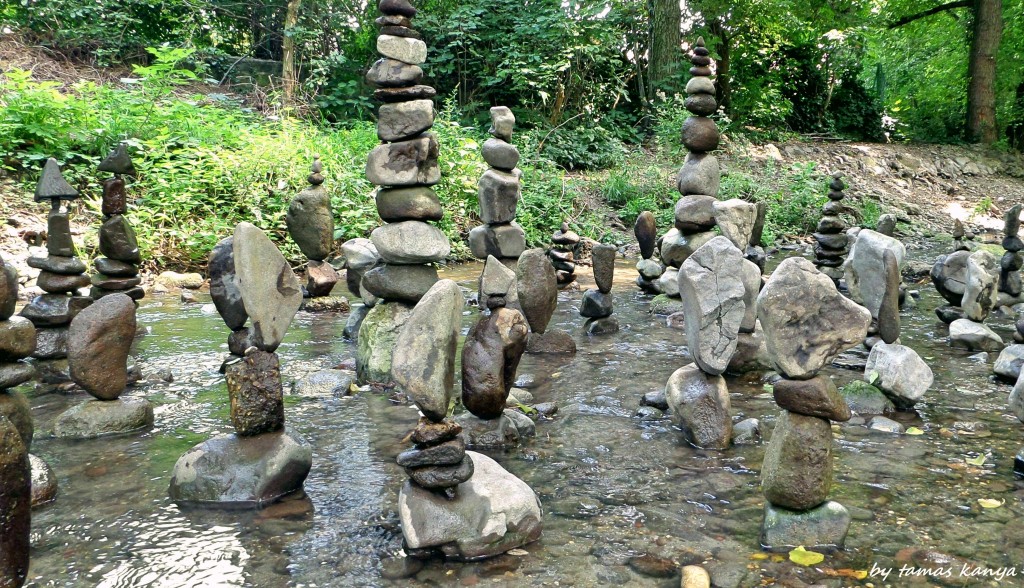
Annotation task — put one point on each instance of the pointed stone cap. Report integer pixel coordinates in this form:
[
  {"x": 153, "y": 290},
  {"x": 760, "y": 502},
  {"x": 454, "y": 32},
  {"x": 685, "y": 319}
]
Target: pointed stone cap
[
  {"x": 118, "y": 162},
  {"x": 316, "y": 178},
  {"x": 53, "y": 185}
]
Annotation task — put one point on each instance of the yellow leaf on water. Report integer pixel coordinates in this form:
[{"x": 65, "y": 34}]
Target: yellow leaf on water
[
  {"x": 976, "y": 461},
  {"x": 801, "y": 556},
  {"x": 990, "y": 502},
  {"x": 758, "y": 556},
  {"x": 914, "y": 431}
]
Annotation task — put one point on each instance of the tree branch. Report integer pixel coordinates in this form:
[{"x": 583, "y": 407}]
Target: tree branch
[{"x": 937, "y": 9}]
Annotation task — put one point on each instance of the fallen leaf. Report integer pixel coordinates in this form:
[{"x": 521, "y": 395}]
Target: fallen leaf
[
  {"x": 769, "y": 388},
  {"x": 914, "y": 431},
  {"x": 801, "y": 556},
  {"x": 846, "y": 573},
  {"x": 976, "y": 461},
  {"x": 991, "y": 502},
  {"x": 873, "y": 377},
  {"x": 759, "y": 556}
]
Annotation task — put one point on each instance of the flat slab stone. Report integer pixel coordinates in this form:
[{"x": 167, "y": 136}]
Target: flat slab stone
[
  {"x": 713, "y": 293},
  {"x": 405, "y": 163},
  {"x": 492, "y": 513},
  {"x": 410, "y": 242},
  {"x": 404, "y": 283},
  {"x": 246, "y": 472},
  {"x": 401, "y": 204},
  {"x": 270, "y": 291},
  {"x": 96, "y": 418}
]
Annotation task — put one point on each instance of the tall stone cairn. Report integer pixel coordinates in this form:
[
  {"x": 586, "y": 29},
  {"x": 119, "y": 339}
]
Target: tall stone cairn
[
  {"x": 61, "y": 273},
  {"x": 311, "y": 225},
  {"x": 405, "y": 165},
  {"x": 564, "y": 243},
  {"x": 832, "y": 240},
  {"x": 596, "y": 305},
  {"x": 1012, "y": 260},
  {"x": 499, "y": 192},
  {"x": 118, "y": 269},
  {"x": 649, "y": 269}
]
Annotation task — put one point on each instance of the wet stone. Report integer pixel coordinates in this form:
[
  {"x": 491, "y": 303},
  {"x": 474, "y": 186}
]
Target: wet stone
[
  {"x": 554, "y": 342},
  {"x": 797, "y": 468},
  {"x": 823, "y": 528},
  {"x": 601, "y": 326},
  {"x": 490, "y": 356},
  {"x": 967, "y": 334},
  {"x": 241, "y": 340},
  {"x": 58, "y": 264},
  {"x": 885, "y": 425},
  {"x": 865, "y": 399},
  {"x": 889, "y": 309},
  {"x": 117, "y": 240},
  {"x": 112, "y": 267},
  {"x": 446, "y": 453},
  {"x": 17, "y": 339},
  {"x": 44, "y": 481},
  {"x": 816, "y": 397},
  {"x": 15, "y": 408},
  {"x": 746, "y": 432},
  {"x": 51, "y": 343},
  {"x": 96, "y": 418},
  {"x": 16, "y": 374},
  {"x": 60, "y": 283},
  {"x": 441, "y": 476},
  {"x": 255, "y": 394},
  {"x": 596, "y": 304},
  {"x": 320, "y": 278},
  {"x": 429, "y": 432}
]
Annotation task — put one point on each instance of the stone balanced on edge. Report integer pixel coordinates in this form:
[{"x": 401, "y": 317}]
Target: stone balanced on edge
[
  {"x": 646, "y": 232},
  {"x": 499, "y": 192},
  {"x": 596, "y": 305}
]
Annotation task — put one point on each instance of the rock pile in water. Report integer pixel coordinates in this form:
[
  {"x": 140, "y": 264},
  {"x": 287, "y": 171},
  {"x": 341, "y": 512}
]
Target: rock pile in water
[
  {"x": 360, "y": 257},
  {"x": 649, "y": 269},
  {"x": 498, "y": 194},
  {"x": 118, "y": 269},
  {"x": 806, "y": 323},
  {"x": 832, "y": 241},
  {"x": 596, "y": 305},
  {"x": 262, "y": 461},
  {"x": 1012, "y": 261},
  {"x": 536, "y": 293},
  {"x": 311, "y": 225},
  {"x": 564, "y": 243},
  {"x": 61, "y": 273}
]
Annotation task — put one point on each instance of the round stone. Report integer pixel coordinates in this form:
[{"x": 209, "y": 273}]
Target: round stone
[
  {"x": 410, "y": 242},
  {"x": 98, "y": 343},
  {"x": 701, "y": 104},
  {"x": 700, "y": 134},
  {"x": 499, "y": 154}
]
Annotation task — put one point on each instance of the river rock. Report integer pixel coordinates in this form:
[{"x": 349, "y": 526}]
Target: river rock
[
  {"x": 797, "y": 468},
  {"x": 502, "y": 122},
  {"x": 700, "y": 407},
  {"x": 493, "y": 512},
  {"x": 901, "y": 373},
  {"x": 668, "y": 285},
  {"x": 816, "y": 397},
  {"x": 255, "y": 394},
  {"x": 889, "y": 309},
  {"x": 231, "y": 470},
  {"x": 224, "y": 286},
  {"x": 699, "y": 175},
  {"x": 497, "y": 283},
  {"x": 650, "y": 269},
  {"x": 864, "y": 276},
  {"x": 60, "y": 283},
  {"x": 501, "y": 241},
  {"x": 98, "y": 343},
  {"x": 700, "y": 134},
  {"x": 321, "y": 278},
  {"x": 310, "y": 222},
  {"x": 8, "y": 290},
  {"x": 117, "y": 240},
  {"x": 750, "y": 275},
  {"x": 694, "y": 576},
  {"x": 555, "y": 342},
  {"x": 967, "y": 334},
  {"x": 15, "y": 408},
  {"x": 423, "y": 362},
  {"x": 17, "y": 339},
  {"x": 51, "y": 343},
  {"x": 885, "y": 425},
  {"x": 751, "y": 353},
  {"x": 596, "y": 304},
  {"x": 96, "y": 418},
  {"x": 360, "y": 253},
  {"x": 601, "y": 326},
  {"x": 418, "y": 203},
  {"x": 404, "y": 163},
  {"x": 16, "y": 505},
  {"x": 498, "y": 196},
  {"x": 505, "y": 431},
  {"x": 404, "y": 49},
  {"x": 44, "y": 481},
  {"x": 404, "y": 120},
  {"x": 713, "y": 303},
  {"x": 376, "y": 341},
  {"x": 646, "y": 232},
  {"x": 450, "y": 452},
  {"x": 490, "y": 357},
  {"x": 404, "y": 94},
  {"x": 330, "y": 383},
  {"x": 604, "y": 266},
  {"x": 822, "y": 528},
  {"x": 410, "y": 242},
  {"x": 865, "y": 399},
  {"x": 499, "y": 154},
  {"x": 949, "y": 274},
  {"x": 1008, "y": 364},
  {"x": 806, "y": 321},
  {"x": 406, "y": 283},
  {"x": 537, "y": 289},
  {"x": 694, "y": 214},
  {"x": 270, "y": 291},
  {"x": 57, "y": 264},
  {"x": 355, "y": 321},
  {"x": 16, "y": 373},
  {"x": 58, "y": 234},
  {"x": 736, "y": 219},
  {"x": 982, "y": 289},
  {"x": 676, "y": 247},
  {"x": 391, "y": 73},
  {"x": 438, "y": 477}
]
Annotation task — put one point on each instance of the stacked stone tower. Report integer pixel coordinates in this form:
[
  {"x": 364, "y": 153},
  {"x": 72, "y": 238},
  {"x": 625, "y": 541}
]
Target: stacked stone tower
[
  {"x": 61, "y": 273},
  {"x": 646, "y": 232},
  {"x": 832, "y": 240},
  {"x": 499, "y": 192},
  {"x": 311, "y": 225},
  {"x": 597, "y": 305},
  {"x": 563, "y": 251},
  {"x": 1012, "y": 260},
  {"x": 118, "y": 270}
]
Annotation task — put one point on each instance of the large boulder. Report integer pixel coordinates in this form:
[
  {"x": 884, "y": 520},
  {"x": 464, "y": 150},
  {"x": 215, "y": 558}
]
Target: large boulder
[
  {"x": 423, "y": 362},
  {"x": 797, "y": 468},
  {"x": 700, "y": 407},
  {"x": 270, "y": 291},
  {"x": 99, "y": 340},
  {"x": 982, "y": 289},
  {"x": 376, "y": 341},
  {"x": 712, "y": 290},
  {"x": 865, "y": 274},
  {"x": 899, "y": 372},
  {"x": 537, "y": 288},
  {"x": 806, "y": 321},
  {"x": 972, "y": 336},
  {"x": 492, "y": 513}
]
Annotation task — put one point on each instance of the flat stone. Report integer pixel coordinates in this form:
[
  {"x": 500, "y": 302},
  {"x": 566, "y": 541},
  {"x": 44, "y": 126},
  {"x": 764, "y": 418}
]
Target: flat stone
[
  {"x": 391, "y": 73},
  {"x": 797, "y": 468},
  {"x": 865, "y": 399},
  {"x": 736, "y": 220},
  {"x": 376, "y": 341},
  {"x": 255, "y": 394},
  {"x": 596, "y": 304},
  {"x": 99, "y": 340},
  {"x": 418, "y": 203},
  {"x": 437, "y": 477},
  {"x": 405, "y": 283},
  {"x": 864, "y": 276},
  {"x": 61, "y": 283},
  {"x": 493, "y": 512},
  {"x": 445, "y": 453},
  {"x": 179, "y": 281},
  {"x": 44, "y": 481},
  {"x": 700, "y": 174},
  {"x": 806, "y": 321},
  {"x": 404, "y": 163},
  {"x": 404, "y": 49},
  {"x": 603, "y": 256},
  {"x": 498, "y": 196},
  {"x": 117, "y": 240},
  {"x": 428, "y": 433},
  {"x": 981, "y": 291},
  {"x": 700, "y": 134},
  {"x": 553, "y": 342},
  {"x": 17, "y": 339},
  {"x": 1008, "y": 364},
  {"x": 713, "y": 303},
  {"x": 399, "y": 121},
  {"x": 310, "y": 222},
  {"x": 700, "y": 407},
  {"x": 972, "y": 336},
  {"x": 396, "y": 8},
  {"x": 646, "y": 232},
  {"x": 500, "y": 154},
  {"x": 16, "y": 505},
  {"x": 885, "y": 425},
  {"x": 57, "y": 264},
  {"x": 270, "y": 291},
  {"x": 410, "y": 242},
  {"x": 501, "y": 241},
  {"x": 490, "y": 356},
  {"x": 234, "y": 471},
  {"x": 695, "y": 213},
  {"x": 331, "y": 383},
  {"x": 423, "y": 362},
  {"x": 106, "y": 282},
  {"x": 676, "y": 246},
  {"x": 404, "y": 94},
  {"x": 817, "y": 397},
  {"x": 16, "y": 373},
  {"x": 502, "y": 123},
  {"x": 822, "y": 528},
  {"x": 96, "y": 418},
  {"x": 949, "y": 275},
  {"x": 51, "y": 343}
]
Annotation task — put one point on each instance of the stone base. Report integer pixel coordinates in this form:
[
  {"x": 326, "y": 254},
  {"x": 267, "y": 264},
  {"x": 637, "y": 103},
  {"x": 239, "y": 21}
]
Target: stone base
[
  {"x": 241, "y": 472},
  {"x": 665, "y": 305},
  {"x": 972, "y": 336},
  {"x": 551, "y": 342},
  {"x": 822, "y": 528},
  {"x": 602, "y": 326},
  {"x": 504, "y": 431},
  {"x": 325, "y": 304},
  {"x": 492, "y": 513},
  {"x": 96, "y": 418},
  {"x": 44, "y": 481}
]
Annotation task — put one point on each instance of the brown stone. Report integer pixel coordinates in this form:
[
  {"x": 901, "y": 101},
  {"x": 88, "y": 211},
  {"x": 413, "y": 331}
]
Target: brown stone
[
  {"x": 115, "y": 198},
  {"x": 15, "y": 506},
  {"x": 490, "y": 357},
  {"x": 255, "y": 393},
  {"x": 98, "y": 343},
  {"x": 320, "y": 278},
  {"x": 816, "y": 397}
]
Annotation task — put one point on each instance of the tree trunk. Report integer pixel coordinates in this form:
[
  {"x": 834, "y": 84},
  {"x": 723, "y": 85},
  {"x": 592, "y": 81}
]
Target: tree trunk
[
  {"x": 665, "y": 47},
  {"x": 289, "y": 75},
  {"x": 981, "y": 97}
]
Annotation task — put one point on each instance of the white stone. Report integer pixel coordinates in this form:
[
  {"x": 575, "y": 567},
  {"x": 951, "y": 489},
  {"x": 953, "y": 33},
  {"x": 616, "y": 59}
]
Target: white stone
[
  {"x": 404, "y": 49},
  {"x": 899, "y": 372}
]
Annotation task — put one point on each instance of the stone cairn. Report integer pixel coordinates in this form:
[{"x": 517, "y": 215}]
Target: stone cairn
[
  {"x": 61, "y": 273},
  {"x": 360, "y": 257},
  {"x": 118, "y": 270},
  {"x": 1012, "y": 260},
  {"x": 807, "y": 322},
  {"x": 646, "y": 232},
  {"x": 832, "y": 241},
  {"x": 596, "y": 306},
  {"x": 262, "y": 461},
  {"x": 564, "y": 243},
  {"x": 499, "y": 192},
  {"x": 17, "y": 341},
  {"x": 311, "y": 225},
  {"x": 536, "y": 286}
]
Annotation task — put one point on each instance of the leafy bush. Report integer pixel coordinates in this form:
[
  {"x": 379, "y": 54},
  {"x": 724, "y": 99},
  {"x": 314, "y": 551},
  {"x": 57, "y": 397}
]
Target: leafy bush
[{"x": 794, "y": 197}]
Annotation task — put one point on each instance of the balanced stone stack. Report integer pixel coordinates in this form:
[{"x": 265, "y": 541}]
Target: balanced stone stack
[
  {"x": 646, "y": 232},
  {"x": 536, "y": 294},
  {"x": 311, "y": 226},
  {"x": 832, "y": 241},
  {"x": 949, "y": 275},
  {"x": 980, "y": 296},
  {"x": 61, "y": 273},
  {"x": 262, "y": 461},
  {"x": 563, "y": 254},
  {"x": 1012, "y": 260},
  {"x": 596, "y": 306},
  {"x": 99, "y": 340},
  {"x": 498, "y": 194},
  {"x": 118, "y": 269},
  {"x": 360, "y": 257},
  {"x": 807, "y": 322}
]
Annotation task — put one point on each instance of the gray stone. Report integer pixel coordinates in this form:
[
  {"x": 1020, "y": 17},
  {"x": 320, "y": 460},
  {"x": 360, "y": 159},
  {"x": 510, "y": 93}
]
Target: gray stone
[
  {"x": 57, "y": 264},
  {"x": 664, "y": 305},
  {"x": 751, "y": 353},
  {"x": 537, "y": 289},
  {"x": 865, "y": 399},
  {"x": 657, "y": 398},
  {"x": 700, "y": 134},
  {"x": 554, "y": 342},
  {"x": 404, "y": 120},
  {"x": 106, "y": 282},
  {"x": 649, "y": 269},
  {"x": 8, "y": 290},
  {"x": 668, "y": 283},
  {"x": 52, "y": 184},
  {"x": 404, "y": 163},
  {"x": 750, "y": 275},
  {"x": 60, "y": 283},
  {"x": 646, "y": 232},
  {"x": 695, "y": 213},
  {"x": 445, "y": 453},
  {"x": 355, "y": 321},
  {"x": 270, "y": 291},
  {"x": 241, "y": 340},
  {"x": 404, "y": 49},
  {"x": 224, "y": 286},
  {"x": 15, "y": 506},
  {"x": 972, "y": 336},
  {"x": 16, "y": 373},
  {"x": 17, "y": 339},
  {"x": 325, "y": 384},
  {"x": 885, "y": 425},
  {"x": 15, "y": 408},
  {"x": 889, "y": 309},
  {"x": 497, "y": 280},
  {"x": 51, "y": 343},
  {"x": 864, "y": 276},
  {"x": 797, "y": 468},
  {"x": 376, "y": 341},
  {"x": 676, "y": 247},
  {"x": 410, "y": 242},
  {"x": 603, "y": 256},
  {"x": 1008, "y": 364},
  {"x": 500, "y": 155},
  {"x": 736, "y": 220},
  {"x": 44, "y": 481},
  {"x": 713, "y": 303},
  {"x": 982, "y": 288},
  {"x": 96, "y": 418},
  {"x": 806, "y": 320},
  {"x": 701, "y": 104},
  {"x": 310, "y": 222},
  {"x": 901, "y": 373},
  {"x": 99, "y": 340},
  {"x": 505, "y": 431},
  {"x": 746, "y": 432},
  {"x": 490, "y": 356},
  {"x": 601, "y": 326},
  {"x": 58, "y": 234},
  {"x": 418, "y": 203},
  {"x": 391, "y": 73},
  {"x": 700, "y": 407},
  {"x": 699, "y": 175},
  {"x": 437, "y": 477},
  {"x": 596, "y": 304},
  {"x": 493, "y": 512},
  {"x": 700, "y": 85},
  {"x": 255, "y": 394},
  {"x": 502, "y": 123},
  {"x": 886, "y": 224},
  {"x": 117, "y": 240},
  {"x": 498, "y": 196},
  {"x": 404, "y": 94},
  {"x": 823, "y": 528},
  {"x": 118, "y": 161},
  {"x": 423, "y": 362},
  {"x": 949, "y": 274},
  {"x": 1016, "y": 400},
  {"x": 405, "y": 283},
  {"x": 817, "y": 397},
  {"x": 234, "y": 471},
  {"x": 360, "y": 253}
]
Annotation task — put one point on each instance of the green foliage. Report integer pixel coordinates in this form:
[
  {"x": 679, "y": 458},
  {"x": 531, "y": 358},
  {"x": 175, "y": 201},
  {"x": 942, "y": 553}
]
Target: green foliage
[
  {"x": 638, "y": 186},
  {"x": 794, "y": 196},
  {"x": 581, "y": 147},
  {"x": 870, "y": 211}
]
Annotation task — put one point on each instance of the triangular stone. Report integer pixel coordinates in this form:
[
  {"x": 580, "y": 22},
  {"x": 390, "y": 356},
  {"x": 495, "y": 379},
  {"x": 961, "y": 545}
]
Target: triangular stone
[
  {"x": 118, "y": 162},
  {"x": 53, "y": 185}
]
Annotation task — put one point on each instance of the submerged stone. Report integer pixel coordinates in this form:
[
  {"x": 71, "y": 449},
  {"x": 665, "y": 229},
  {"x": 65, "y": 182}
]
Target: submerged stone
[
  {"x": 96, "y": 418},
  {"x": 700, "y": 406},
  {"x": 823, "y": 528}
]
